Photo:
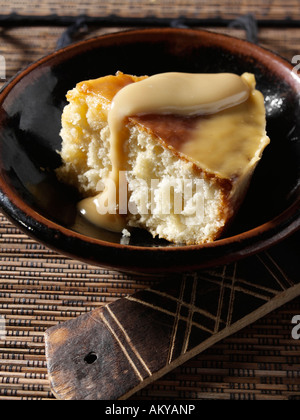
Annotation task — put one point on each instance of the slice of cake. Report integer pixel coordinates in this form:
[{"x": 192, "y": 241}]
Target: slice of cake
[{"x": 172, "y": 153}]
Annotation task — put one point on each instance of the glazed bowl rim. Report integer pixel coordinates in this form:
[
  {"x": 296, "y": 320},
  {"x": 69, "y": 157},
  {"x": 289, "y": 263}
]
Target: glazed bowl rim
[{"x": 253, "y": 240}]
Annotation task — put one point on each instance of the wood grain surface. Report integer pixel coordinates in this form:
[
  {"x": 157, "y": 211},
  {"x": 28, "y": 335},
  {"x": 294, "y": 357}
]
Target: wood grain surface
[{"x": 40, "y": 289}]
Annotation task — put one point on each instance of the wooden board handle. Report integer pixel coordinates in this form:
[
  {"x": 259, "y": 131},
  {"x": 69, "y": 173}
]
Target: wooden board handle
[{"x": 116, "y": 350}]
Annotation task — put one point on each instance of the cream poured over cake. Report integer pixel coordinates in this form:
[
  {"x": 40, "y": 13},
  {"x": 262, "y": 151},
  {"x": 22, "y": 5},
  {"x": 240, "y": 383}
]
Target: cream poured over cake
[{"x": 175, "y": 128}]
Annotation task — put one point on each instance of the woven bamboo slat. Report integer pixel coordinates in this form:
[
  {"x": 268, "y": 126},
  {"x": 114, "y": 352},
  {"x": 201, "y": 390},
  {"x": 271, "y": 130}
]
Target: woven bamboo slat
[
  {"x": 22, "y": 46},
  {"x": 276, "y": 9},
  {"x": 39, "y": 290}
]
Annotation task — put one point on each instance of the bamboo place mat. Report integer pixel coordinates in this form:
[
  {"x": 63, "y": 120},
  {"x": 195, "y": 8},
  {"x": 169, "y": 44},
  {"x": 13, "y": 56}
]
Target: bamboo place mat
[
  {"x": 275, "y": 9},
  {"x": 40, "y": 288}
]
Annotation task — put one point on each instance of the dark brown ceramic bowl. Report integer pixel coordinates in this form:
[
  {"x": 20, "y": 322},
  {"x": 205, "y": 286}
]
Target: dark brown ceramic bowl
[{"x": 31, "y": 105}]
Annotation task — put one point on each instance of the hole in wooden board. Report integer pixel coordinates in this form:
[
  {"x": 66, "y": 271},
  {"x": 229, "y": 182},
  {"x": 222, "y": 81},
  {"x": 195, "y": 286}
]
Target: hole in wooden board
[{"x": 90, "y": 358}]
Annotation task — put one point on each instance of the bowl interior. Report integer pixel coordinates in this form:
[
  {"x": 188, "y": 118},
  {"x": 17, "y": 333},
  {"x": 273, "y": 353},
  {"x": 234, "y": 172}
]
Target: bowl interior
[{"x": 31, "y": 108}]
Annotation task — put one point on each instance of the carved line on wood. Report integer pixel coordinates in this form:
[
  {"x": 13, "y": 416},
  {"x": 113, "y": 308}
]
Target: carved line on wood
[
  {"x": 129, "y": 341},
  {"x": 232, "y": 296},
  {"x": 243, "y": 289},
  {"x": 192, "y": 308},
  {"x": 220, "y": 301},
  {"x": 136, "y": 371},
  {"x": 165, "y": 311},
  {"x": 264, "y": 260},
  {"x": 188, "y": 305},
  {"x": 176, "y": 321},
  {"x": 217, "y": 278}
]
